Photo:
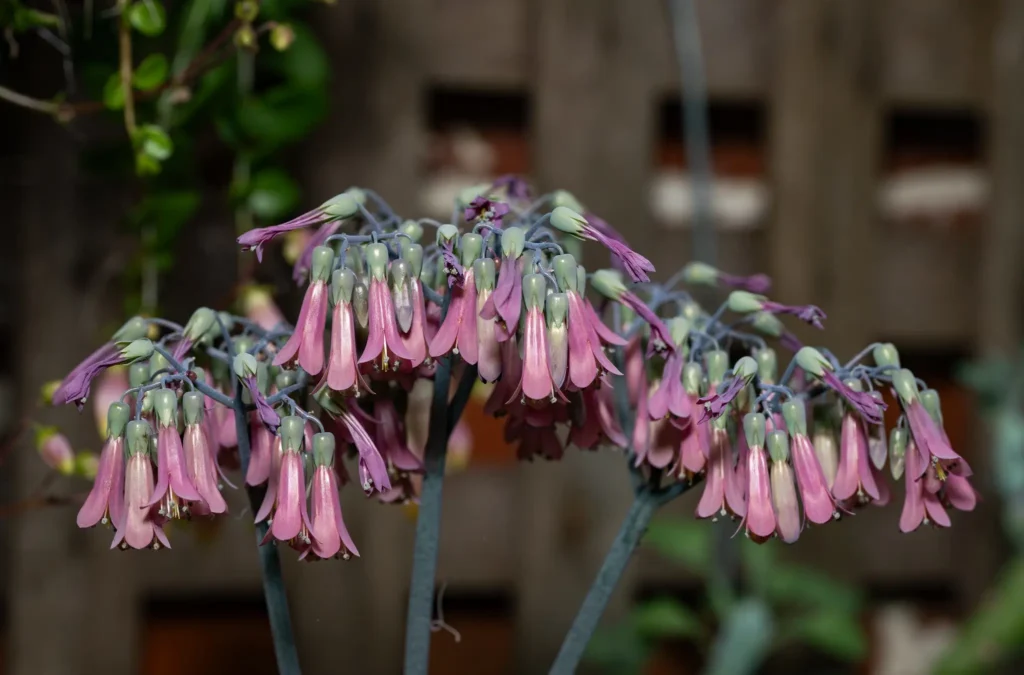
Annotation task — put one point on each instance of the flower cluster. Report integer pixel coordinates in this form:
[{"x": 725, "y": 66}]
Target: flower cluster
[{"x": 494, "y": 297}]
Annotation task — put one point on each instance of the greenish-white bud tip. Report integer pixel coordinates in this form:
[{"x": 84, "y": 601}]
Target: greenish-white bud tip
[
  {"x": 886, "y": 355},
  {"x": 343, "y": 280},
  {"x": 581, "y": 279},
  {"x": 768, "y": 323},
  {"x": 812, "y": 361},
  {"x": 796, "y": 417},
  {"x": 930, "y": 401},
  {"x": 399, "y": 273},
  {"x": 566, "y": 199},
  {"x": 754, "y": 428},
  {"x": 138, "y": 373},
  {"x": 679, "y": 328},
  {"x": 412, "y": 229},
  {"x": 566, "y": 220},
  {"x": 693, "y": 376},
  {"x": 484, "y": 274},
  {"x": 165, "y": 403},
  {"x": 192, "y": 405},
  {"x": 557, "y": 309},
  {"x": 513, "y": 241},
  {"x": 137, "y": 349},
  {"x": 244, "y": 365},
  {"x": 717, "y": 363},
  {"x": 467, "y": 195},
  {"x": 285, "y": 378},
  {"x": 137, "y": 433},
  {"x": 357, "y": 194},
  {"x": 158, "y": 364},
  {"x": 291, "y": 432},
  {"x": 201, "y": 321},
  {"x": 777, "y": 443},
  {"x": 746, "y": 368},
  {"x": 323, "y": 262},
  {"x": 564, "y": 268},
  {"x": 898, "y": 440},
  {"x": 906, "y": 385},
  {"x": 535, "y": 289},
  {"x": 447, "y": 234},
  {"x": 133, "y": 329},
  {"x": 690, "y": 311},
  {"x": 242, "y": 344},
  {"x": 377, "y": 260},
  {"x": 767, "y": 365},
  {"x": 323, "y": 449},
  {"x": 118, "y": 415},
  {"x": 341, "y": 206},
  {"x": 413, "y": 254},
  {"x": 700, "y": 273},
  {"x": 743, "y": 302},
  {"x": 361, "y": 304},
  {"x": 471, "y": 245},
  {"x": 608, "y": 283}
]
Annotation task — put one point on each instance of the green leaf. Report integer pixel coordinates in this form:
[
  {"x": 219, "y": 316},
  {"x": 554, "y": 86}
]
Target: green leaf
[
  {"x": 146, "y": 165},
  {"x": 282, "y": 115},
  {"x": 154, "y": 142},
  {"x": 272, "y": 194},
  {"x": 783, "y": 584},
  {"x": 151, "y": 73},
  {"x": 744, "y": 640},
  {"x": 666, "y": 618},
  {"x": 113, "y": 94},
  {"x": 688, "y": 543},
  {"x": 830, "y": 631},
  {"x": 148, "y": 17}
]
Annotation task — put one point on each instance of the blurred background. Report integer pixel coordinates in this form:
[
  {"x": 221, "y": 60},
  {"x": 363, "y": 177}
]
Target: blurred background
[{"x": 868, "y": 155}]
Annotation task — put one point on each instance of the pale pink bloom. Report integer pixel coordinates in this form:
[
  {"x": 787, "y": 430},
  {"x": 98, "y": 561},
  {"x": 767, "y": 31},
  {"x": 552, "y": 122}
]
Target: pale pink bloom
[
  {"x": 291, "y": 515},
  {"x": 489, "y": 351},
  {"x": 391, "y": 438},
  {"x": 275, "y": 459},
  {"x": 342, "y": 372},
  {"x": 505, "y": 303},
  {"x": 55, "y": 450},
  {"x": 585, "y": 350},
  {"x": 511, "y": 373},
  {"x": 458, "y": 332},
  {"x": 670, "y": 397},
  {"x": 721, "y": 494},
  {"x": 109, "y": 388},
  {"x": 932, "y": 443},
  {"x": 817, "y": 500},
  {"x": 415, "y": 339},
  {"x": 202, "y": 469},
  {"x": 330, "y": 536},
  {"x": 856, "y": 477},
  {"x": 262, "y": 447},
  {"x": 921, "y": 502},
  {"x": 106, "y": 499},
  {"x": 599, "y": 423},
  {"x": 384, "y": 342},
  {"x": 138, "y": 525},
  {"x": 259, "y": 307},
  {"x": 373, "y": 471},
  {"x": 787, "y": 509},
  {"x": 760, "y": 519},
  {"x": 306, "y": 344}
]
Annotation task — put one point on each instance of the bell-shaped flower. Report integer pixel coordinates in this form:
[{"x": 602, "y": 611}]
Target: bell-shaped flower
[
  {"x": 505, "y": 303},
  {"x": 637, "y": 267},
  {"x": 783, "y": 486},
  {"x": 384, "y": 345},
  {"x": 670, "y": 398},
  {"x": 814, "y": 493},
  {"x": 536, "y": 383},
  {"x": 414, "y": 335},
  {"x": 458, "y": 331},
  {"x": 330, "y": 536},
  {"x": 173, "y": 485},
  {"x": 105, "y": 502},
  {"x": 929, "y": 438},
  {"x": 488, "y": 347},
  {"x": 306, "y": 344},
  {"x": 339, "y": 207},
  {"x": 342, "y": 372},
  {"x": 760, "y": 518},
  {"x": 721, "y": 493},
  {"x": 200, "y": 458},
  {"x": 857, "y": 480},
  {"x": 138, "y": 526},
  {"x": 586, "y": 354}
]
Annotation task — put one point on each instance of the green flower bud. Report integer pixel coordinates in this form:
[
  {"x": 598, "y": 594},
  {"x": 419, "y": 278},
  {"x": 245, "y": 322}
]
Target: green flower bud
[
  {"x": 566, "y": 199},
  {"x": 716, "y": 362},
  {"x": 361, "y": 304},
  {"x": 199, "y": 323},
  {"x": 679, "y": 328},
  {"x": 754, "y": 428},
  {"x": 812, "y": 361},
  {"x": 401, "y": 297},
  {"x": 291, "y": 433},
  {"x": 282, "y": 36},
  {"x": 356, "y": 261},
  {"x": 693, "y": 377},
  {"x": 513, "y": 241},
  {"x": 608, "y": 283},
  {"x": 796, "y": 417},
  {"x": 341, "y": 206},
  {"x": 117, "y": 417},
  {"x": 557, "y": 309},
  {"x": 138, "y": 373},
  {"x": 377, "y": 260},
  {"x": 700, "y": 273},
  {"x": 898, "y": 440},
  {"x": 746, "y": 368},
  {"x": 343, "y": 280},
  {"x": 399, "y": 273},
  {"x": 412, "y": 229},
  {"x": 743, "y": 302},
  {"x": 87, "y": 465},
  {"x": 467, "y": 195},
  {"x": 581, "y": 279},
  {"x": 447, "y": 234},
  {"x": 886, "y": 355},
  {"x": 323, "y": 262},
  {"x": 483, "y": 274},
  {"x": 323, "y": 449},
  {"x": 244, "y": 365},
  {"x": 568, "y": 221},
  {"x": 137, "y": 349},
  {"x": 778, "y": 445},
  {"x": 137, "y": 433},
  {"x": 768, "y": 323},
  {"x": 767, "y": 365},
  {"x": 263, "y": 377},
  {"x": 158, "y": 364},
  {"x": 564, "y": 268},
  {"x": 471, "y": 245},
  {"x": 285, "y": 379},
  {"x": 535, "y": 288},
  {"x": 165, "y": 403},
  {"x": 930, "y": 401},
  {"x": 192, "y": 403},
  {"x": 906, "y": 385},
  {"x": 413, "y": 254},
  {"x": 133, "y": 329},
  {"x": 242, "y": 344}
]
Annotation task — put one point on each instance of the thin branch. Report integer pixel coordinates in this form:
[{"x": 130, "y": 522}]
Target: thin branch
[
  {"x": 39, "y": 105},
  {"x": 124, "y": 41}
]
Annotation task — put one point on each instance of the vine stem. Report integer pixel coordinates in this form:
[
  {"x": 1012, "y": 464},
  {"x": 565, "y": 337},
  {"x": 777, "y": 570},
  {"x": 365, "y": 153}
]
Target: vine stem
[
  {"x": 39, "y": 105},
  {"x": 124, "y": 41},
  {"x": 270, "y": 564}
]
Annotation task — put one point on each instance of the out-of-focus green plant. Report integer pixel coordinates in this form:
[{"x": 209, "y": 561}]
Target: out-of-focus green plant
[
  {"x": 190, "y": 82},
  {"x": 996, "y": 631},
  {"x": 781, "y": 605}
]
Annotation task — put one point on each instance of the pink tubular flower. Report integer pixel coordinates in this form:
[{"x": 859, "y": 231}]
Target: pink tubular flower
[
  {"x": 670, "y": 397},
  {"x": 586, "y": 355},
  {"x": 458, "y": 334},
  {"x": 112, "y": 384},
  {"x": 506, "y": 388},
  {"x": 55, "y": 450},
  {"x": 305, "y": 260},
  {"x": 921, "y": 504},
  {"x": 721, "y": 494},
  {"x": 570, "y": 222},
  {"x": 261, "y": 453},
  {"x": 536, "y": 383},
  {"x": 930, "y": 439},
  {"x": 344, "y": 205},
  {"x": 716, "y": 402},
  {"x": 814, "y": 493},
  {"x": 783, "y": 487},
  {"x": 607, "y": 335},
  {"x": 488, "y": 347},
  {"x": 199, "y": 457},
  {"x": 105, "y": 502},
  {"x": 138, "y": 525},
  {"x": 173, "y": 484},
  {"x": 384, "y": 341},
  {"x": 306, "y": 344},
  {"x": 414, "y": 337},
  {"x": 599, "y": 423},
  {"x": 813, "y": 362},
  {"x": 373, "y": 471},
  {"x": 856, "y": 477},
  {"x": 342, "y": 373},
  {"x": 329, "y": 534},
  {"x": 505, "y": 303},
  {"x": 760, "y": 517},
  {"x": 76, "y": 386},
  {"x": 391, "y": 438}
]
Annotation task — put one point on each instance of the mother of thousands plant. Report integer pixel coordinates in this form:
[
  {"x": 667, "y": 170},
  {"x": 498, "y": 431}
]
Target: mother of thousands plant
[{"x": 687, "y": 395}]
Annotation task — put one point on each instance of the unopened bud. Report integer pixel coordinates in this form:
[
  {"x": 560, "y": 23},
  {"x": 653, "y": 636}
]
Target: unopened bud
[
  {"x": 55, "y": 450},
  {"x": 343, "y": 281},
  {"x": 137, "y": 349},
  {"x": 87, "y": 465},
  {"x": 534, "y": 291},
  {"x": 767, "y": 323},
  {"x": 513, "y": 241},
  {"x": 767, "y": 365},
  {"x": 361, "y": 304},
  {"x": 679, "y": 328},
  {"x": 608, "y": 283},
  {"x": 717, "y": 363},
  {"x": 467, "y": 195},
  {"x": 557, "y": 309},
  {"x": 201, "y": 321},
  {"x": 471, "y": 245},
  {"x": 700, "y": 273},
  {"x": 746, "y": 368},
  {"x": 282, "y": 36},
  {"x": 377, "y": 260},
  {"x": 778, "y": 445},
  {"x": 447, "y": 234},
  {"x": 412, "y": 230},
  {"x": 754, "y": 427},
  {"x": 566, "y": 220},
  {"x": 796, "y": 417},
  {"x": 165, "y": 403},
  {"x": 323, "y": 449},
  {"x": 743, "y": 302},
  {"x": 564, "y": 269},
  {"x": 413, "y": 254},
  {"x": 693, "y": 377},
  {"x": 323, "y": 262},
  {"x": 812, "y": 361},
  {"x": 886, "y": 355},
  {"x": 906, "y": 385},
  {"x": 244, "y": 365},
  {"x": 137, "y": 434},
  {"x": 566, "y": 199},
  {"x": 341, "y": 206},
  {"x": 483, "y": 274},
  {"x": 133, "y": 329},
  {"x": 192, "y": 403},
  {"x": 118, "y": 415}
]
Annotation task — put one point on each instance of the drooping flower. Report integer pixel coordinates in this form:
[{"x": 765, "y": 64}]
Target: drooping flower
[
  {"x": 745, "y": 302},
  {"x": 826, "y": 450},
  {"x": 76, "y": 385},
  {"x": 391, "y": 438},
  {"x": 783, "y": 486},
  {"x": 138, "y": 525},
  {"x": 609, "y": 283},
  {"x": 506, "y": 388},
  {"x": 536, "y": 383},
  {"x": 607, "y": 335},
  {"x": 202, "y": 321},
  {"x": 571, "y": 222},
  {"x": 414, "y": 337},
  {"x": 598, "y": 424},
  {"x": 339, "y": 207},
  {"x": 199, "y": 456},
  {"x": 105, "y": 502},
  {"x": 306, "y": 344},
  {"x": 173, "y": 486},
  {"x": 742, "y": 375},
  {"x": 586, "y": 355},
  {"x": 704, "y": 274},
  {"x": 342, "y": 372},
  {"x": 814, "y": 363},
  {"x": 458, "y": 333},
  {"x": 291, "y": 514},
  {"x": 484, "y": 210},
  {"x": 556, "y": 314},
  {"x": 373, "y": 471},
  {"x": 929, "y": 438},
  {"x": 330, "y": 536},
  {"x": 721, "y": 494},
  {"x": 856, "y": 477},
  {"x": 505, "y": 303},
  {"x": 384, "y": 345},
  {"x": 760, "y": 518},
  {"x": 814, "y": 493},
  {"x": 488, "y": 348},
  {"x": 921, "y": 505}
]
